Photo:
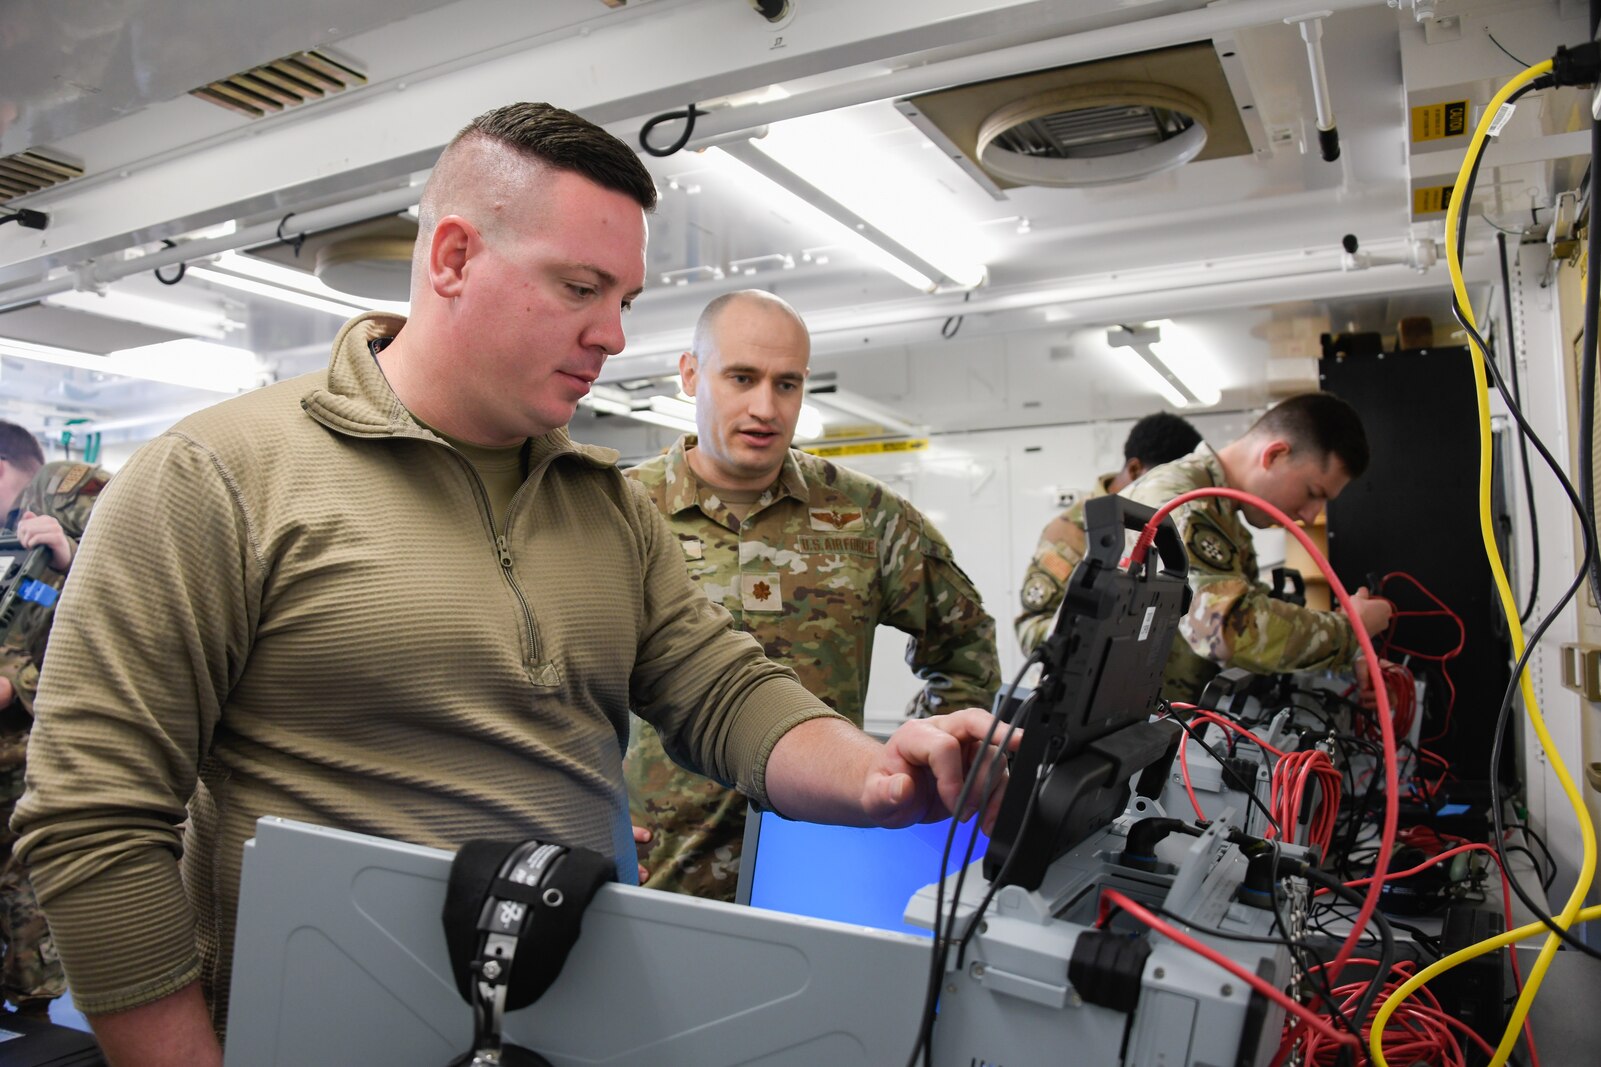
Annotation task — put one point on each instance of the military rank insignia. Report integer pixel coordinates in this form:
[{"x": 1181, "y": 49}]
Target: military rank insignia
[{"x": 761, "y": 592}]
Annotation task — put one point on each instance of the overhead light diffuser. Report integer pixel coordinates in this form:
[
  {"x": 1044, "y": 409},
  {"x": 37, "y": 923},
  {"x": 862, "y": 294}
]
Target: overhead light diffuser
[
  {"x": 251, "y": 274},
  {"x": 147, "y": 311},
  {"x": 188, "y": 362},
  {"x": 1178, "y": 391},
  {"x": 883, "y": 249}
]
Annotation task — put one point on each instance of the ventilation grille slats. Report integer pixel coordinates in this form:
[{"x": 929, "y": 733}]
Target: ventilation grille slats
[
  {"x": 283, "y": 83},
  {"x": 30, "y": 171},
  {"x": 1094, "y": 131}
]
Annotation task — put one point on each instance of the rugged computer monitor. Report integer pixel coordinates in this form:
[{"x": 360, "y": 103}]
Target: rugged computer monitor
[
  {"x": 1086, "y": 730},
  {"x": 851, "y": 874}
]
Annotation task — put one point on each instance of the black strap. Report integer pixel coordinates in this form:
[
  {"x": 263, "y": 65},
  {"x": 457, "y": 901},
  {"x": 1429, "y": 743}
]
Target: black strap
[{"x": 513, "y": 911}]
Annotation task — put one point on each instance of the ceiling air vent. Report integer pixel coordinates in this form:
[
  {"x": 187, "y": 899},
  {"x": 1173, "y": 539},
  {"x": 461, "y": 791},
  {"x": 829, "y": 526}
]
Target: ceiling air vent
[
  {"x": 30, "y": 171},
  {"x": 281, "y": 84},
  {"x": 1114, "y": 120}
]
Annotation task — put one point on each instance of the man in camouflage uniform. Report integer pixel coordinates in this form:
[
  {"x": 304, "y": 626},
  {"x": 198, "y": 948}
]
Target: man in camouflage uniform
[
  {"x": 1301, "y": 453},
  {"x": 808, "y": 557},
  {"x": 46, "y": 505},
  {"x": 1154, "y": 440}
]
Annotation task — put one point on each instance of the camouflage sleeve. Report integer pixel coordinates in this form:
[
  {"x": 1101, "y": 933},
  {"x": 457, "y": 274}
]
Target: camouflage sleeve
[
  {"x": 926, "y": 595},
  {"x": 1233, "y": 621},
  {"x": 1059, "y": 551},
  {"x": 18, "y": 668}
]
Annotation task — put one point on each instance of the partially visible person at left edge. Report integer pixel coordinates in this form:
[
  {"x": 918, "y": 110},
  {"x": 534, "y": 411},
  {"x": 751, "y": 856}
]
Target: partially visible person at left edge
[{"x": 46, "y": 504}]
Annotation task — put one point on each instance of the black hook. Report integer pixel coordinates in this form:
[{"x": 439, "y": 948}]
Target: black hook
[{"x": 176, "y": 278}]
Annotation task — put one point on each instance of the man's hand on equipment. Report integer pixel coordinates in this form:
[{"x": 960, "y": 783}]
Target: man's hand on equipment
[
  {"x": 45, "y": 530},
  {"x": 642, "y": 836},
  {"x": 1366, "y": 678},
  {"x": 1373, "y": 612},
  {"x": 919, "y": 773}
]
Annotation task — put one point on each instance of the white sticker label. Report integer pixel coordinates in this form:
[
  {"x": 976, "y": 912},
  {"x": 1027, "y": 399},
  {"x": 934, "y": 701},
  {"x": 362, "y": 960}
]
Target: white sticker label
[
  {"x": 1502, "y": 116},
  {"x": 1145, "y": 627}
]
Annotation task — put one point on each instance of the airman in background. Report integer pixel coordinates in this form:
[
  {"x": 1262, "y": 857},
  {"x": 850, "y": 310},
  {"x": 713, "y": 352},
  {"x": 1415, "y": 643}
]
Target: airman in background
[
  {"x": 809, "y": 557},
  {"x": 1298, "y": 456},
  {"x": 1154, "y": 440}
]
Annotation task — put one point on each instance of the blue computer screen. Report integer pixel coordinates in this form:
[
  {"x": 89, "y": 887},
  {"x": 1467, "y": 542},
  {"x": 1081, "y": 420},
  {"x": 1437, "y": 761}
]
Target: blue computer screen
[{"x": 849, "y": 874}]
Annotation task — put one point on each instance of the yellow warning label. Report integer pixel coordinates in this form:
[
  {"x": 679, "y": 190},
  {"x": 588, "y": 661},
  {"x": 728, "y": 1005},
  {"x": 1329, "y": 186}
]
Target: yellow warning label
[
  {"x": 868, "y": 448},
  {"x": 1435, "y": 122},
  {"x": 1431, "y": 200}
]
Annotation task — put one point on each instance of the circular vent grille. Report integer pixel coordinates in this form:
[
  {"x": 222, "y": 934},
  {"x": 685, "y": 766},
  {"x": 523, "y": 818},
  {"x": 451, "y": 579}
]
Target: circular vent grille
[{"x": 1093, "y": 134}]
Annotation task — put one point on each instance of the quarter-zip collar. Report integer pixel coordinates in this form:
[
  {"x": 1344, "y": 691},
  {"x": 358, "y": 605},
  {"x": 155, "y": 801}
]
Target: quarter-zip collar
[{"x": 358, "y": 402}]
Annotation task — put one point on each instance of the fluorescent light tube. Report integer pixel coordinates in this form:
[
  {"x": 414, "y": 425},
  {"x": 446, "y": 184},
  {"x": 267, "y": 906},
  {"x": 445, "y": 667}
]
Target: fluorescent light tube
[
  {"x": 873, "y": 242},
  {"x": 147, "y": 311},
  {"x": 187, "y": 362}
]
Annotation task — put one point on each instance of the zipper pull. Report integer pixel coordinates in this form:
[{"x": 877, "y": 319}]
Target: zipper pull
[{"x": 505, "y": 551}]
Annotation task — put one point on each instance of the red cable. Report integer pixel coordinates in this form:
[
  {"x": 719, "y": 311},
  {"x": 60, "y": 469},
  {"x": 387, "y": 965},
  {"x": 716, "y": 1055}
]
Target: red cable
[
  {"x": 1506, "y": 912},
  {"x": 1392, "y": 786},
  {"x": 1441, "y": 658},
  {"x": 1300, "y": 1011}
]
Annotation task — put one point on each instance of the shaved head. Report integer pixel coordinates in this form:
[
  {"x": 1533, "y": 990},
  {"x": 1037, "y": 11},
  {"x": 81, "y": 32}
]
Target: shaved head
[
  {"x": 484, "y": 180},
  {"x": 704, "y": 347}
]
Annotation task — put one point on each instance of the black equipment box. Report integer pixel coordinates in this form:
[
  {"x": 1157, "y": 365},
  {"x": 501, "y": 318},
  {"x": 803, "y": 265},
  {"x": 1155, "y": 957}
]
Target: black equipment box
[{"x": 27, "y": 1041}]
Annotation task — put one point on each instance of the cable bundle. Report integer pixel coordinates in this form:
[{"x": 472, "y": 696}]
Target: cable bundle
[
  {"x": 1292, "y": 776},
  {"x": 1424, "y": 1032}
]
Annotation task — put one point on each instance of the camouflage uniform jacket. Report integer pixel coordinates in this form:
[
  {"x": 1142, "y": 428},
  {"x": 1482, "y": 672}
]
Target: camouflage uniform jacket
[
  {"x": 1061, "y": 547},
  {"x": 824, "y": 556},
  {"x": 1232, "y": 621},
  {"x": 66, "y": 491}
]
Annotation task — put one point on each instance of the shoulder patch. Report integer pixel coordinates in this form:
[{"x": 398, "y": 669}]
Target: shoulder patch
[
  {"x": 1208, "y": 545},
  {"x": 1037, "y": 592},
  {"x": 1056, "y": 565}
]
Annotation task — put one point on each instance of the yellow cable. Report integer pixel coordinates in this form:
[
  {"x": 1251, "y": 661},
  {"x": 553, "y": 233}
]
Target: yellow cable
[
  {"x": 1471, "y": 952},
  {"x": 1570, "y": 911}
]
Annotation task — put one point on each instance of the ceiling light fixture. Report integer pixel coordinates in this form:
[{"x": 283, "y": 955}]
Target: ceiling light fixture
[
  {"x": 883, "y": 249},
  {"x": 1178, "y": 392},
  {"x": 147, "y": 311},
  {"x": 251, "y": 274},
  {"x": 188, "y": 362}
]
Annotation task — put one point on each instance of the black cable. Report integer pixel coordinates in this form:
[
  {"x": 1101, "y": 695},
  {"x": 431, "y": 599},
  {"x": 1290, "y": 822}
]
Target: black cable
[
  {"x": 1588, "y": 563},
  {"x": 1364, "y": 1007},
  {"x": 1523, "y": 440},
  {"x": 1530, "y": 835},
  {"x": 688, "y": 114},
  {"x": 1504, "y": 52},
  {"x": 1228, "y": 772},
  {"x": 1488, "y": 221},
  {"x": 942, "y": 930},
  {"x": 1592, "y": 300}
]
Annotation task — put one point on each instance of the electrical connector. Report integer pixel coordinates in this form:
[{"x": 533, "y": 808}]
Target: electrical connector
[
  {"x": 33, "y": 220},
  {"x": 1580, "y": 65}
]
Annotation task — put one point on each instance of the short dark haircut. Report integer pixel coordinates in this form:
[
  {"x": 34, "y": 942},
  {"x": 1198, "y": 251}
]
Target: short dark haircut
[
  {"x": 19, "y": 447},
  {"x": 565, "y": 141},
  {"x": 1160, "y": 438},
  {"x": 1322, "y": 424}
]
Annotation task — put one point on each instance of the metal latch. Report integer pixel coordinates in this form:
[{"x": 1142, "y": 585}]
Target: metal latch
[{"x": 1581, "y": 670}]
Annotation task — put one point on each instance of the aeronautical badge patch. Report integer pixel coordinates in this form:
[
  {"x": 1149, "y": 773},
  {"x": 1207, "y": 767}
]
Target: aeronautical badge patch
[
  {"x": 1209, "y": 546},
  {"x": 834, "y": 520},
  {"x": 1037, "y": 592}
]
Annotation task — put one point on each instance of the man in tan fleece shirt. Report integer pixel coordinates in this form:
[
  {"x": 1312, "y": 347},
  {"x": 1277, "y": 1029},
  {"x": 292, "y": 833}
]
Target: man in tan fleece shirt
[{"x": 394, "y": 597}]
